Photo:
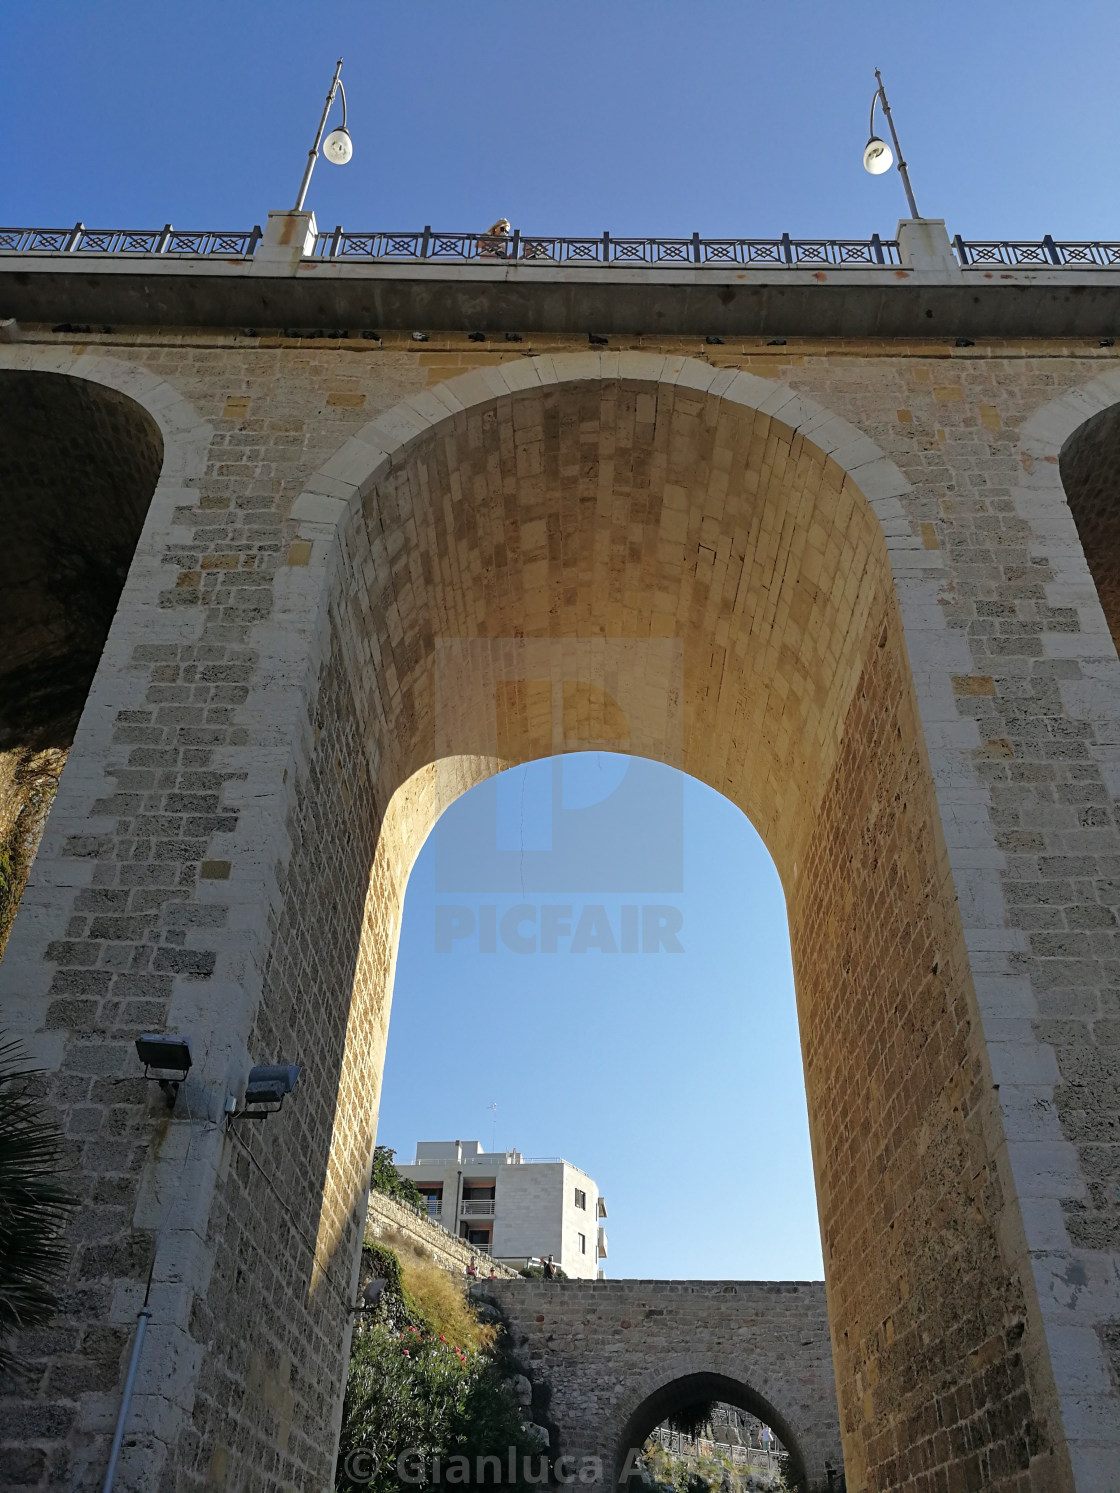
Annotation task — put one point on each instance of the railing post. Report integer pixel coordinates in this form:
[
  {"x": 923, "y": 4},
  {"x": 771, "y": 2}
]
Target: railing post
[
  {"x": 425, "y": 240},
  {"x": 164, "y": 239},
  {"x": 962, "y": 252},
  {"x": 1051, "y": 248},
  {"x": 877, "y": 248},
  {"x": 75, "y": 237},
  {"x": 254, "y": 239},
  {"x": 606, "y": 248},
  {"x": 696, "y": 247},
  {"x": 787, "y": 248},
  {"x": 515, "y": 244},
  {"x": 336, "y": 240}
]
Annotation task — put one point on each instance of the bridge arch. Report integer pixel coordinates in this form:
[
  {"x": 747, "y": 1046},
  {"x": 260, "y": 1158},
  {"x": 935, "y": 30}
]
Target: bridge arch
[
  {"x": 703, "y": 1386},
  {"x": 95, "y": 455},
  {"x": 593, "y": 519},
  {"x": 559, "y": 509}
]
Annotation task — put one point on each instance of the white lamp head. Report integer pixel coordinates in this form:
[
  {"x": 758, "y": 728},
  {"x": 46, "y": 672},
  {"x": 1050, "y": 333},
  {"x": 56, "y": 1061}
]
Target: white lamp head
[
  {"x": 338, "y": 146},
  {"x": 877, "y": 156}
]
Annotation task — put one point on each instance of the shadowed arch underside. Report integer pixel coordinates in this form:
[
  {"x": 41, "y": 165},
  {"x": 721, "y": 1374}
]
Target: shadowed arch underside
[
  {"x": 79, "y": 463},
  {"x": 647, "y": 567},
  {"x": 698, "y": 1390},
  {"x": 1090, "y": 472}
]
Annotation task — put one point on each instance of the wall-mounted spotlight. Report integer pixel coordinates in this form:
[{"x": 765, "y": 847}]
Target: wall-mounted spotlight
[
  {"x": 169, "y": 1056},
  {"x": 877, "y": 156},
  {"x": 265, "y": 1091},
  {"x": 371, "y": 1297}
]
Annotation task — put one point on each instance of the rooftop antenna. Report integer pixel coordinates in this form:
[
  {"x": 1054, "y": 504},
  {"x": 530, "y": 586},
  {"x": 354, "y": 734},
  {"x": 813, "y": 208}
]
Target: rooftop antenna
[{"x": 493, "y": 1108}]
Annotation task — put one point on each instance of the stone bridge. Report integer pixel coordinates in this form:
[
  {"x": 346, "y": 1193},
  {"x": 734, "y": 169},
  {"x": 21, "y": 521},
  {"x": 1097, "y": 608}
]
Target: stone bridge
[
  {"x": 609, "y": 1360},
  {"x": 298, "y": 547}
]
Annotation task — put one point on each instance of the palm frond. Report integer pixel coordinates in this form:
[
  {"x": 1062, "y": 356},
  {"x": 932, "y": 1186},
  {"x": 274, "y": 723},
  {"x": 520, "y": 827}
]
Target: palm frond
[{"x": 34, "y": 1205}]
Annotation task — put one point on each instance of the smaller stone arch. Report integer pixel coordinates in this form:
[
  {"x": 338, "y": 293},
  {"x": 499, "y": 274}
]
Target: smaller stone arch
[
  {"x": 702, "y": 1387},
  {"x": 1070, "y": 494},
  {"x": 96, "y": 457}
]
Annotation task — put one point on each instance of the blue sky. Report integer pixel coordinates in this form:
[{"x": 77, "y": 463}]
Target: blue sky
[
  {"x": 724, "y": 116},
  {"x": 674, "y": 1078},
  {"x": 638, "y": 116}
]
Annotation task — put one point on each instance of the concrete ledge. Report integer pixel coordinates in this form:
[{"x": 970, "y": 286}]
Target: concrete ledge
[{"x": 526, "y": 298}]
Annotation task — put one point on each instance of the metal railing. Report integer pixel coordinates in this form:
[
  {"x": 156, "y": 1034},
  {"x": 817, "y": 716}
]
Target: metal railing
[
  {"x": 177, "y": 242},
  {"x": 427, "y": 244},
  {"x": 483, "y": 1208},
  {"x": 1044, "y": 252}
]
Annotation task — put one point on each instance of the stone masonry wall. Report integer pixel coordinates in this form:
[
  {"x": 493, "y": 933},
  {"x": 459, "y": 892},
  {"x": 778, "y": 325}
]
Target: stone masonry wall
[
  {"x": 225, "y": 778},
  {"x": 386, "y": 1215},
  {"x": 604, "y": 1357}
]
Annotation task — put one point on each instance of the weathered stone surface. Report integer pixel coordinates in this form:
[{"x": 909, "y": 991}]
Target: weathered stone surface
[
  {"x": 612, "y": 1359},
  {"x": 893, "y": 658}
]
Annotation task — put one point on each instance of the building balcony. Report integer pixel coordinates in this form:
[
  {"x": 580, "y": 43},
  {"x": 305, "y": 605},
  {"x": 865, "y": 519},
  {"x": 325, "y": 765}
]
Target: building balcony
[{"x": 477, "y": 1208}]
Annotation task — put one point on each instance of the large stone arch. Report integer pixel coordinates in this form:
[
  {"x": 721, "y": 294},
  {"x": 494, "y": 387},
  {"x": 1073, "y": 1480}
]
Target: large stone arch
[
  {"x": 861, "y": 765},
  {"x": 799, "y": 703}
]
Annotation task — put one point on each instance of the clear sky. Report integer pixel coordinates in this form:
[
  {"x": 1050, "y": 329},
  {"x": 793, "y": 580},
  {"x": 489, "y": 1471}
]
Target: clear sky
[
  {"x": 638, "y": 116},
  {"x": 673, "y": 1077},
  {"x": 657, "y": 116}
]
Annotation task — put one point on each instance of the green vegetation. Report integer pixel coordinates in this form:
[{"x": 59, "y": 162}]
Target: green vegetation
[
  {"x": 33, "y": 1206},
  {"x": 387, "y": 1180},
  {"x": 427, "y": 1378},
  {"x": 536, "y": 1272},
  {"x": 665, "y": 1470},
  {"x": 28, "y": 783}
]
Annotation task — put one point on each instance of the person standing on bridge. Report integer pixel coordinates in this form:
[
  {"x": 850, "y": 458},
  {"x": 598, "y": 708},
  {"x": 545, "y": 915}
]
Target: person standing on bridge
[{"x": 549, "y": 1271}]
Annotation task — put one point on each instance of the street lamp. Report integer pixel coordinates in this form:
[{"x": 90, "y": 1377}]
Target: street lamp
[
  {"x": 337, "y": 147},
  {"x": 877, "y": 156}
]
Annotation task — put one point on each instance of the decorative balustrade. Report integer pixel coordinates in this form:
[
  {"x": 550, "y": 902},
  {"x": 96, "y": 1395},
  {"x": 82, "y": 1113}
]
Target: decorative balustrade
[
  {"x": 1045, "y": 252},
  {"x": 176, "y": 242},
  {"x": 525, "y": 248},
  {"x": 427, "y": 244}
]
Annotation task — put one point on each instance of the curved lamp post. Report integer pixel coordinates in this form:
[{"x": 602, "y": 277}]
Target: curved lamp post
[
  {"x": 877, "y": 156},
  {"x": 337, "y": 147}
]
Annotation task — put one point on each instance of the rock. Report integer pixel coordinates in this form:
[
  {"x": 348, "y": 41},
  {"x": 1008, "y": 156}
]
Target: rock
[
  {"x": 536, "y": 1433},
  {"x": 521, "y": 1388}
]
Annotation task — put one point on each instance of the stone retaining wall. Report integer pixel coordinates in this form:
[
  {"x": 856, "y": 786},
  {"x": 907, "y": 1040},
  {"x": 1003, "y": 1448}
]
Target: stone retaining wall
[{"x": 385, "y": 1214}]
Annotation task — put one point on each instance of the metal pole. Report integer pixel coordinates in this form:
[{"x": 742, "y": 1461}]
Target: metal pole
[
  {"x": 914, "y": 213},
  {"x": 313, "y": 153},
  {"x": 142, "y": 1318}
]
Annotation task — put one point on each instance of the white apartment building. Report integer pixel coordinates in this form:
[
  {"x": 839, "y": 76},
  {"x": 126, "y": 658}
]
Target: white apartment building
[{"x": 516, "y": 1210}]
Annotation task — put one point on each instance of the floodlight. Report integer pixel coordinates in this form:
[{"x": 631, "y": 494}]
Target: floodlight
[
  {"x": 268, "y": 1085},
  {"x": 371, "y": 1296},
  {"x": 877, "y": 156},
  {"x": 170, "y": 1055}
]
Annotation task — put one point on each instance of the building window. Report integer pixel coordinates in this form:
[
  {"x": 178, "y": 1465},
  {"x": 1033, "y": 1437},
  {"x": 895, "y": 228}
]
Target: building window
[
  {"x": 581, "y": 1198},
  {"x": 582, "y": 1243}
]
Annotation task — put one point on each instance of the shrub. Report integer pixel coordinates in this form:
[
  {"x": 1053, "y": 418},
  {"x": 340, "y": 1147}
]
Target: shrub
[
  {"x": 412, "y": 1389},
  {"x": 33, "y": 1205},
  {"x": 385, "y": 1179}
]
